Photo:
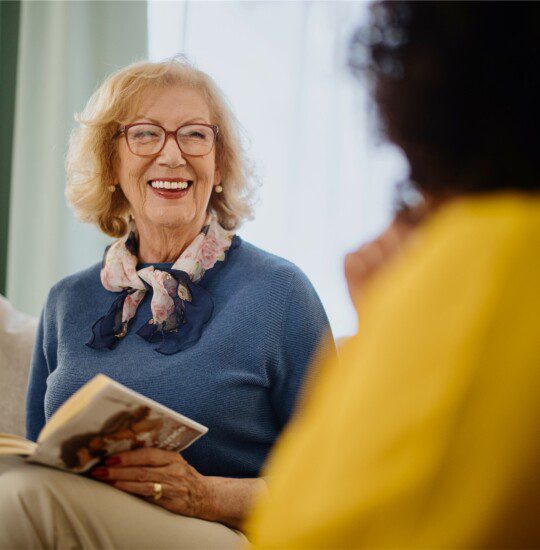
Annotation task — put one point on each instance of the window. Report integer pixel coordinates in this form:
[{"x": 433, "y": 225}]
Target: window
[{"x": 326, "y": 179}]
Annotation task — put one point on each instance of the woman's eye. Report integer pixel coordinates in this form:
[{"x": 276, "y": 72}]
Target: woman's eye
[
  {"x": 145, "y": 134},
  {"x": 193, "y": 133}
]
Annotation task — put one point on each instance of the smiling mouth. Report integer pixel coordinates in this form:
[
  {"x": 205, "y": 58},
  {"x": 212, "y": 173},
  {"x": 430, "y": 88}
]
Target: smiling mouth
[{"x": 170, "y": 185}]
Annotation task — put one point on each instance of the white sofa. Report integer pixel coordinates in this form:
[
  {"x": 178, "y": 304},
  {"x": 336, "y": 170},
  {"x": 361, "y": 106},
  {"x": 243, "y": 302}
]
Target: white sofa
[{"x": 17, "y": 332}]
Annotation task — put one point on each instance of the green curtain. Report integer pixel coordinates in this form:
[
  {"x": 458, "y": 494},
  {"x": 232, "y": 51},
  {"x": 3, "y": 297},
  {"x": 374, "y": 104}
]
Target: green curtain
[
  {"x": 65, "y": 50},
  {"x": 9, "y": 35}
]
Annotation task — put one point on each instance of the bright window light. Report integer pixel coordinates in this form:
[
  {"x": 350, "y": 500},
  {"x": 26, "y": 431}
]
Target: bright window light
[{"x": 326, "y": 180}]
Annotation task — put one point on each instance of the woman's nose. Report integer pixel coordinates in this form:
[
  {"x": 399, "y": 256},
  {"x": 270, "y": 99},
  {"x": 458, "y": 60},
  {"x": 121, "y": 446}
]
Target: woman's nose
[{"x": 171, "y": 155}]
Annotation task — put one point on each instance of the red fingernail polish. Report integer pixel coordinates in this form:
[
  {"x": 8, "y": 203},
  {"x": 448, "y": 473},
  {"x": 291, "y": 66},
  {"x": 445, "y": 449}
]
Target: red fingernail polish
[
  {"x": 100, "y": 472},
  {"x": 112, "y": 461}
]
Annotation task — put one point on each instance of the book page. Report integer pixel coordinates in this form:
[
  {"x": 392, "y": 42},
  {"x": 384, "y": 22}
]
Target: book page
[
  {"x": 11, "y": 444},
  {"x": 74, "y": 404},
  {"x": 113, "y": 420}
]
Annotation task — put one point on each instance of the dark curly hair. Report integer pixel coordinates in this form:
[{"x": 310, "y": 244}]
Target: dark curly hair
[{"x": 456, "y": 88}]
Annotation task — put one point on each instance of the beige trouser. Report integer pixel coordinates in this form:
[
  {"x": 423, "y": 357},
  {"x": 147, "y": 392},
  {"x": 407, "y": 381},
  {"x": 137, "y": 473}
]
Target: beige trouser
[{"x": 45, "y": 508}]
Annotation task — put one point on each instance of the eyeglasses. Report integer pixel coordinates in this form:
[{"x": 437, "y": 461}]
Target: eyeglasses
[{"x": 148, "y": 140}]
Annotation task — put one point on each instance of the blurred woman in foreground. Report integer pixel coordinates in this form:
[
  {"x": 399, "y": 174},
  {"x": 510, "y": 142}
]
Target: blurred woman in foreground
[{"x": 427, "y": 435}]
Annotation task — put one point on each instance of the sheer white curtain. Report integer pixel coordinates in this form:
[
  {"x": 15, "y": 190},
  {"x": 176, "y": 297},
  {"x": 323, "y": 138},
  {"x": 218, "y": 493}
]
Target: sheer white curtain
[
  {"x": 326, "y": 179},
  {"x": 65, "y": 50}
]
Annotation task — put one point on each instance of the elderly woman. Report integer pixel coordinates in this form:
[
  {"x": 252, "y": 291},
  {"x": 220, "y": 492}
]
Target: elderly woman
[{"x": 181, "y": 309}]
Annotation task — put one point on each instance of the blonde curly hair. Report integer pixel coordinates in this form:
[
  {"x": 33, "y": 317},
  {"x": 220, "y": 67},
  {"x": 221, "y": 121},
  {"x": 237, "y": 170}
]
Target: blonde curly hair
[{"x": 92, "y": 153}]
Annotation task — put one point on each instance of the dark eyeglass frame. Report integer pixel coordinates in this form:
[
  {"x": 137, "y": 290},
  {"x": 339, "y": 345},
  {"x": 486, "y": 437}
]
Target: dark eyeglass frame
[{"x": 125, "y": 128}]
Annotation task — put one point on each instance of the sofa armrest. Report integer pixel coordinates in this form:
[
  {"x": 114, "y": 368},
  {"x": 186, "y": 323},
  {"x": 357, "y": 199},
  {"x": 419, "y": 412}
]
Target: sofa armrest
[{"x": 17, "y": 332}]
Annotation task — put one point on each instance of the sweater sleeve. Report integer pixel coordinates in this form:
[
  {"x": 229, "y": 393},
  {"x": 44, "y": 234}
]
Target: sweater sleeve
[
  {"x": 303, "y": 333},
  {"x": 43, "y": 363}
]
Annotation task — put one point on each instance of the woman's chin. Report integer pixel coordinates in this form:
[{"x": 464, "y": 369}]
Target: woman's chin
[{"x": 171, "y": 218}]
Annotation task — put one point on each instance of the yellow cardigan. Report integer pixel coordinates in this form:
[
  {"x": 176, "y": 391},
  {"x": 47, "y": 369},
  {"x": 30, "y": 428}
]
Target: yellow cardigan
[{"x": 427, "y": 434}]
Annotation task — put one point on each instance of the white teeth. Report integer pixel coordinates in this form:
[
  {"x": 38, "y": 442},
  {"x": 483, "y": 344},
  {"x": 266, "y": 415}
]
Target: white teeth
[{"x": 158, "y": 184}]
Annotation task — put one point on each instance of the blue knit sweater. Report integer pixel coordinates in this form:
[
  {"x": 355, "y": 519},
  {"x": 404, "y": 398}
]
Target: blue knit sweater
[{"x": 241, "y": 379}]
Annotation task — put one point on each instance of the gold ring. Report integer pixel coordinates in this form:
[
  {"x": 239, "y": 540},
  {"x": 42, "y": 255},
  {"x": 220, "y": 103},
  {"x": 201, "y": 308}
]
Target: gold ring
[{"x": 158, "y": 491}]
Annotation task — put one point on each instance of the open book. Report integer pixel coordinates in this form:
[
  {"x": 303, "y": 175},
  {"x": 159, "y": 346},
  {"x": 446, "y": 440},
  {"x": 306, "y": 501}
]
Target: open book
[{"x": 100, "y": 419}]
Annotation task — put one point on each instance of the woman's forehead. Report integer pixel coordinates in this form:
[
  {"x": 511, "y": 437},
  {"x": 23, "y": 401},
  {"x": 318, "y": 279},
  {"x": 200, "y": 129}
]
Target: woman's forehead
[{"x": 173, "y": 105}]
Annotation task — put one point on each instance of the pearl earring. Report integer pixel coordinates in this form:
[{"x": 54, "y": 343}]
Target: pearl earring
[
  {"x": 112, "y": 188},
  {"x": 219, "y": 189}
]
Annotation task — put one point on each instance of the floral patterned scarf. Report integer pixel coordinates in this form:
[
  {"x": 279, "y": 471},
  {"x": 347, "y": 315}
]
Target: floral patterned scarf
[{"x": 180, "y": 307}]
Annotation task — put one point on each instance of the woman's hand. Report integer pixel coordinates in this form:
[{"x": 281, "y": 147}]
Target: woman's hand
[
  {"x": 185, "y": 491},
  {"x": 363, "y": 264}
]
